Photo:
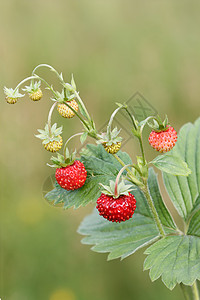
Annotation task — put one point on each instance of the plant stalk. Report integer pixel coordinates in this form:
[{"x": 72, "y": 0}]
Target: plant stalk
[
  {"x": 82, "y": 104},
  {"x": 153, "y": 210},
  {"x": 130, "y": 174},
  {"x": 23, "y": 81},
  {"x": 195, "y": 291},
  {"x": 142, "y": 149},
  {"x": 65, "y": 146},
  {"x": 49, "y": 117}
]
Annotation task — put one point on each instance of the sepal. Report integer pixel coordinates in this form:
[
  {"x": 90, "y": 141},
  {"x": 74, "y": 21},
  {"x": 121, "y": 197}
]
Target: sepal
[
  {"x": 33, "y": 87},
  {"x": 46, "y": 136},
  {"x": 12, "y": 93},
  {"x": 122, "y": 189}
]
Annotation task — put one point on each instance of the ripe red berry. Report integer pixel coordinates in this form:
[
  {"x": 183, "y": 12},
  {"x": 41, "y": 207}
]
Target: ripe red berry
[
  {"x": 116, "y": 210},
  {"x": 163, "y": 141},
  {"x": 71, "y": 177}
]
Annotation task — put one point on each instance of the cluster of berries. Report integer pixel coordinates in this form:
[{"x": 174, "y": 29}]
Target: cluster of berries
[{"x": 116, "y": 203}]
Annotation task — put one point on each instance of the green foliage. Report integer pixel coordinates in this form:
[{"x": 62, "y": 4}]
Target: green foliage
[
  {"x": 184, "y": 191},
  {"x": 171, "y": 164},
  {"x": 101, "y": 168},
  {"x": 176, "y": 259},
  {"x": 122, "y": 240}
]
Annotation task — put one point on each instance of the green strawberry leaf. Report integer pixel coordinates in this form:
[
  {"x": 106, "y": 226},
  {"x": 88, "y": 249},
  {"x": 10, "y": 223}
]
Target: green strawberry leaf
[
  {"x": 121, "y": 240},
  {"x": 175, "y": 259},
  {"x": 171, "y": 164},
  {"x": 184, "y": 191},
  {"x": 101, "y": 168}
]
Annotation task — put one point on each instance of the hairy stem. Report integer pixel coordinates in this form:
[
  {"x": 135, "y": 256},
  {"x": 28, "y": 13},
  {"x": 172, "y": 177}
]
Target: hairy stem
[
  {"x": 195, "y": 291},
  {"x": 153, "y": 210},
  {"x": 142, "y": 149}
]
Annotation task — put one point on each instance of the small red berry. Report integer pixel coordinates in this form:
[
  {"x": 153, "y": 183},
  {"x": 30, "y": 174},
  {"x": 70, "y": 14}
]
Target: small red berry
[
  {"x": 71, "y": 177},
  {"x": 116, "y": 210},
  {"x": 163, "y": 141}
]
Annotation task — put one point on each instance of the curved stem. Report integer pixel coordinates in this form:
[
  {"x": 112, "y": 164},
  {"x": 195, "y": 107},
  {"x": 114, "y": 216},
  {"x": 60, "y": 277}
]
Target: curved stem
[
  {"x": 118, "y": 177},
  {"x": 26, "y": 79},
  {"x": 130, "y": 174},
  {"x": 111, "y": 120},
  {"x": 144, "y": 188},
  {"x": 45, "y": 65},
  {"x": 49, "y": 117},
  {"x": 65, "y": 146},
  {"x": 131, "y": 117},
  {"x": 195, "y": 291}
]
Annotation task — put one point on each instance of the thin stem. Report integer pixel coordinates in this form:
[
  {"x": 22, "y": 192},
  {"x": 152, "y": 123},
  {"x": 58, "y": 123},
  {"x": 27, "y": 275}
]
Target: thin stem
[
  {"x": 153, "y": 210},
  {"x": 130, "y": 174},
  {"x": 83, "y": 106},
  {"x": 65, "y": 147},
  {"x": 185, "y": 291},
  {"x": 195, "y": 291},
  {"x": 49, "y": 117},
  {"x": 131, "y": 117},
  {"x": 142, "y": 150},
  {"x": 49, "y": 87},
  {"x": 118, "y": 177},
  {"x": 45, "y": 65},
  {"x": 26, "y": 79},
  {"x": 81, "y": 119},
  {"x": 139, "y": 137},
  {"x": 110, "y": 122}
]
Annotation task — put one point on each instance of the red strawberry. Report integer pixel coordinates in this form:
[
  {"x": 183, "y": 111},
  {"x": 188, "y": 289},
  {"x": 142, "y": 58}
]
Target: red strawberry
[
  {"x": 116, "y": 209},
  {"x": 71, "y": 177},
  {"x": 163, "y": 141}
]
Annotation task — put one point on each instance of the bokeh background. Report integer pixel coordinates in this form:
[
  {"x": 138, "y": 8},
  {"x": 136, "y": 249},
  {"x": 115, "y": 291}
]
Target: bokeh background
[{"x": 114, "y": 49}]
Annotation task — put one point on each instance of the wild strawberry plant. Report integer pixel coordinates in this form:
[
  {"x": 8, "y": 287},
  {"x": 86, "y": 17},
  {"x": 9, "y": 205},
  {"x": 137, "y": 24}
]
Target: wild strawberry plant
[{"x": 130, "y": 212}]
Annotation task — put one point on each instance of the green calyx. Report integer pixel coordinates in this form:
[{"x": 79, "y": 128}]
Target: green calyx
[
  {"x": 117, "y": 191},
  {"x": 33, "y": 87},
  {"x": 63, "y": 97},
  {"x": 109, "y": 137},
  {"x": 46, "y": 136},
  {"x": 12, "y": 93},
  {"x": 63, "y": 161},
  {"x": 158, "y": 125}
]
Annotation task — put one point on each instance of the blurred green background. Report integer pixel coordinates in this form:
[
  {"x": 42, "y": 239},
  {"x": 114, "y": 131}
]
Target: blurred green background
[{"x": 114, "y": 49}]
